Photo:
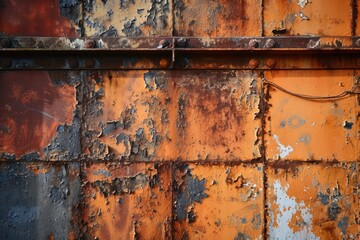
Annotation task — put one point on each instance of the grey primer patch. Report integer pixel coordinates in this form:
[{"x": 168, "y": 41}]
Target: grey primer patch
[
  {"x": 120, "y": 186},
  {"x": 70, "y": 9},
  {"x": 194, "y": 191},
  {"x": 103, "y": 172},
  {"x": 343, "y": 224},
  {"x": 241, "y": 236},
  {"x": 324, "y": 198},
  {"x": 37, "y": 206},
  {"x": 155, "y": 78},
  {"x": 66, "y": 144},
  {"x": 295, "y": 122},
  {"x": 348, "y": 125},
  {"x": 333, "y": 211}
]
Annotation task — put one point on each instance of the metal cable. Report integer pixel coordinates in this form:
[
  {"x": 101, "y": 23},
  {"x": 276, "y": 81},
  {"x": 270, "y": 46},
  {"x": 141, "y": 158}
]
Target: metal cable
[{"x": 311, "y": 97}]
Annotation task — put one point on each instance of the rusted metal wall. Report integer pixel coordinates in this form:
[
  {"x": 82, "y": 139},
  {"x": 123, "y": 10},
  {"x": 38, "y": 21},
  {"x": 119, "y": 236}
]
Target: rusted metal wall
[{"x": 179, "y": 119}]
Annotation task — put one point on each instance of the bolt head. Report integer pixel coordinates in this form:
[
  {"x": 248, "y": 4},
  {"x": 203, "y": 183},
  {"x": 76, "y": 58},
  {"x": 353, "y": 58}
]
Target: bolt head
[
  {"x": 253, "y": 63},
  {"x": 89, "y": 63},
  {"x": 181, "y": 42},
  {"x": 270, "y": 63},
  {"x": 270, "y": 43},
  {"x": 164, "y": 63},
  {"x": 253, "y": 43},
  {"x": 357, "y": 42},
  {"x": 90, "y": 43}
]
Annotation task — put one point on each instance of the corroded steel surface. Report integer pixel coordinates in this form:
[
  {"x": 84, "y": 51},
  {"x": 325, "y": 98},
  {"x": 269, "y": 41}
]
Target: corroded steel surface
[
  {"x": 305, "y": 17},
  {"x": 308, "y": 201},
  {"x": 162, "y": 115},
  {"x": 127, "y": 201},
  {"x": 36, "y": 116},
  {"x": 304, "y": 129},
  {"x": 55, "y": 18},
  {"x": 217, "y": 201},
  {"x": 40, "y": 200},
  {"x": 179, "y": 119}
]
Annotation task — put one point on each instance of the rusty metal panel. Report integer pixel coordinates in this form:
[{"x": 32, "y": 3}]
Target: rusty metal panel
[
  {"x": 218, "y": 201},
  {"x": 52, "y": 18},
  {"x": 304, "y": 17},
  {"x": 127, "y": 201},
  {"x": 38, "y": 117},
  {"x": 39, "y": 200},
  {"x": 172, "y": 115},
  {"x": 225, "y": 18},
  {"x": 312, "y": 129},
  {"x": 309, "y": 201},
  {"x": 128, "y": 18}
]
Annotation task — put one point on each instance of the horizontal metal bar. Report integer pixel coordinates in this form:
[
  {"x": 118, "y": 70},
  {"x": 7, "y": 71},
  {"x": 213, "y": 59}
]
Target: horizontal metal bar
[
  {"x": 293, "y": 42},
  {"x": 194, "y": 53}
]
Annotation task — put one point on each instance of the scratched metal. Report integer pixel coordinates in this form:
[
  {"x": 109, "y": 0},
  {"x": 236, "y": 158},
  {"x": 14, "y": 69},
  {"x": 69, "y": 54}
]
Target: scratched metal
[
  {"x": 128, "y": 18},
  {"x": 172, "y": 115},
  {"x": 308, "y": 201},
  {"x": 38, "y": 116},
  {"x": 223, "y": 18},
  {"x": 39, "y": 200},
  {"x": 127, "y": 201},
  {"x": 217, "y": 201},
  {"x": 305, "y": 17},
  {"x": 51, "y": 18},
  {"x": 302, "y": 129}
]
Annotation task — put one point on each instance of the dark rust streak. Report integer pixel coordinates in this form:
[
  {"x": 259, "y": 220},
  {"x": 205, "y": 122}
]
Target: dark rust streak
[
  {"x": 354, "y": 15},
  {"x": 264, "y": 95}
]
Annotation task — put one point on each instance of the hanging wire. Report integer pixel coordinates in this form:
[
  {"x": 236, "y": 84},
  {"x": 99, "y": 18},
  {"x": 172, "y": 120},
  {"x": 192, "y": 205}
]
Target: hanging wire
[{"x": 311, "y": 97}]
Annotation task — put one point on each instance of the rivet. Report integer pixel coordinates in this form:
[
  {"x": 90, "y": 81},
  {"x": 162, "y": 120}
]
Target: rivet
[
  {"x": 89, "y": 63},
  {"x": 6, "y": 63},
  {"x": 164, "y": 63},
  {"x": 270, "y": 43},
  {"x": 90, "y": 43},
  {"x": 181, "y": 42},
  {"x": 357, "y": 43},
  {"x": 253, "y": 43},
  {"x": 73, "y": 63},
  {"x": 253, "y": 63},
  {"x": 163, "y": 43},
  {"x": 4, "y": 43},
  {"x": 270, "y": 63}
]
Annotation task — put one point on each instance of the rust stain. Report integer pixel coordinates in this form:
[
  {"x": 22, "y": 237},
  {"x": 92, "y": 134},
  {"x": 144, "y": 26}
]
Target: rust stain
[
  {"x": 313, "y": 201},
  {"x": 137, "y": 206},
  {"x": 321, "y": 130},
  {"x": 34, "y": 18},
  {"x": 31, "y": 109},
  {"x": 307, "y": 17},
  {"x": 163, "y": 115},
  {"x": 209, "y": 205},
  {"x": 224, "y": 18},
  {"x": 128, "y": 18}
]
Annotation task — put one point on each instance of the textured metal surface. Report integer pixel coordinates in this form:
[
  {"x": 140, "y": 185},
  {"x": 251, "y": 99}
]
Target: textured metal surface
[
  {"x": 179, "y": 119},
  {"x": 319, "y": 130},
  {"x": 163, "y": 115},
  {"x": 38, "y": 116},
  {"x": 308, "y": 201},
  {"x": 39, "y": 200},
  {"x": 53, "y": 18}
]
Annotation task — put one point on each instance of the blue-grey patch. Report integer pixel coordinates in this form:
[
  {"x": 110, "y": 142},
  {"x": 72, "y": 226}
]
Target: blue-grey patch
[
  {"x": 256, "y": 221},
  {"x": 333, "y": 211},
  {"x": 282, "y": 124},
  {"x": 348, "y": 125},
  {"x": 343, "y": 224},
  {"x": 324, "y": 198},
  {"x": 243, "y": 220},
  {"x": 295, "y": 122},
  {"x": 241, "y": 236},
  {"x": 305, "y": 139},
  {"x": 102, "y": 172},
  {"x": 194, "y": 191}
]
